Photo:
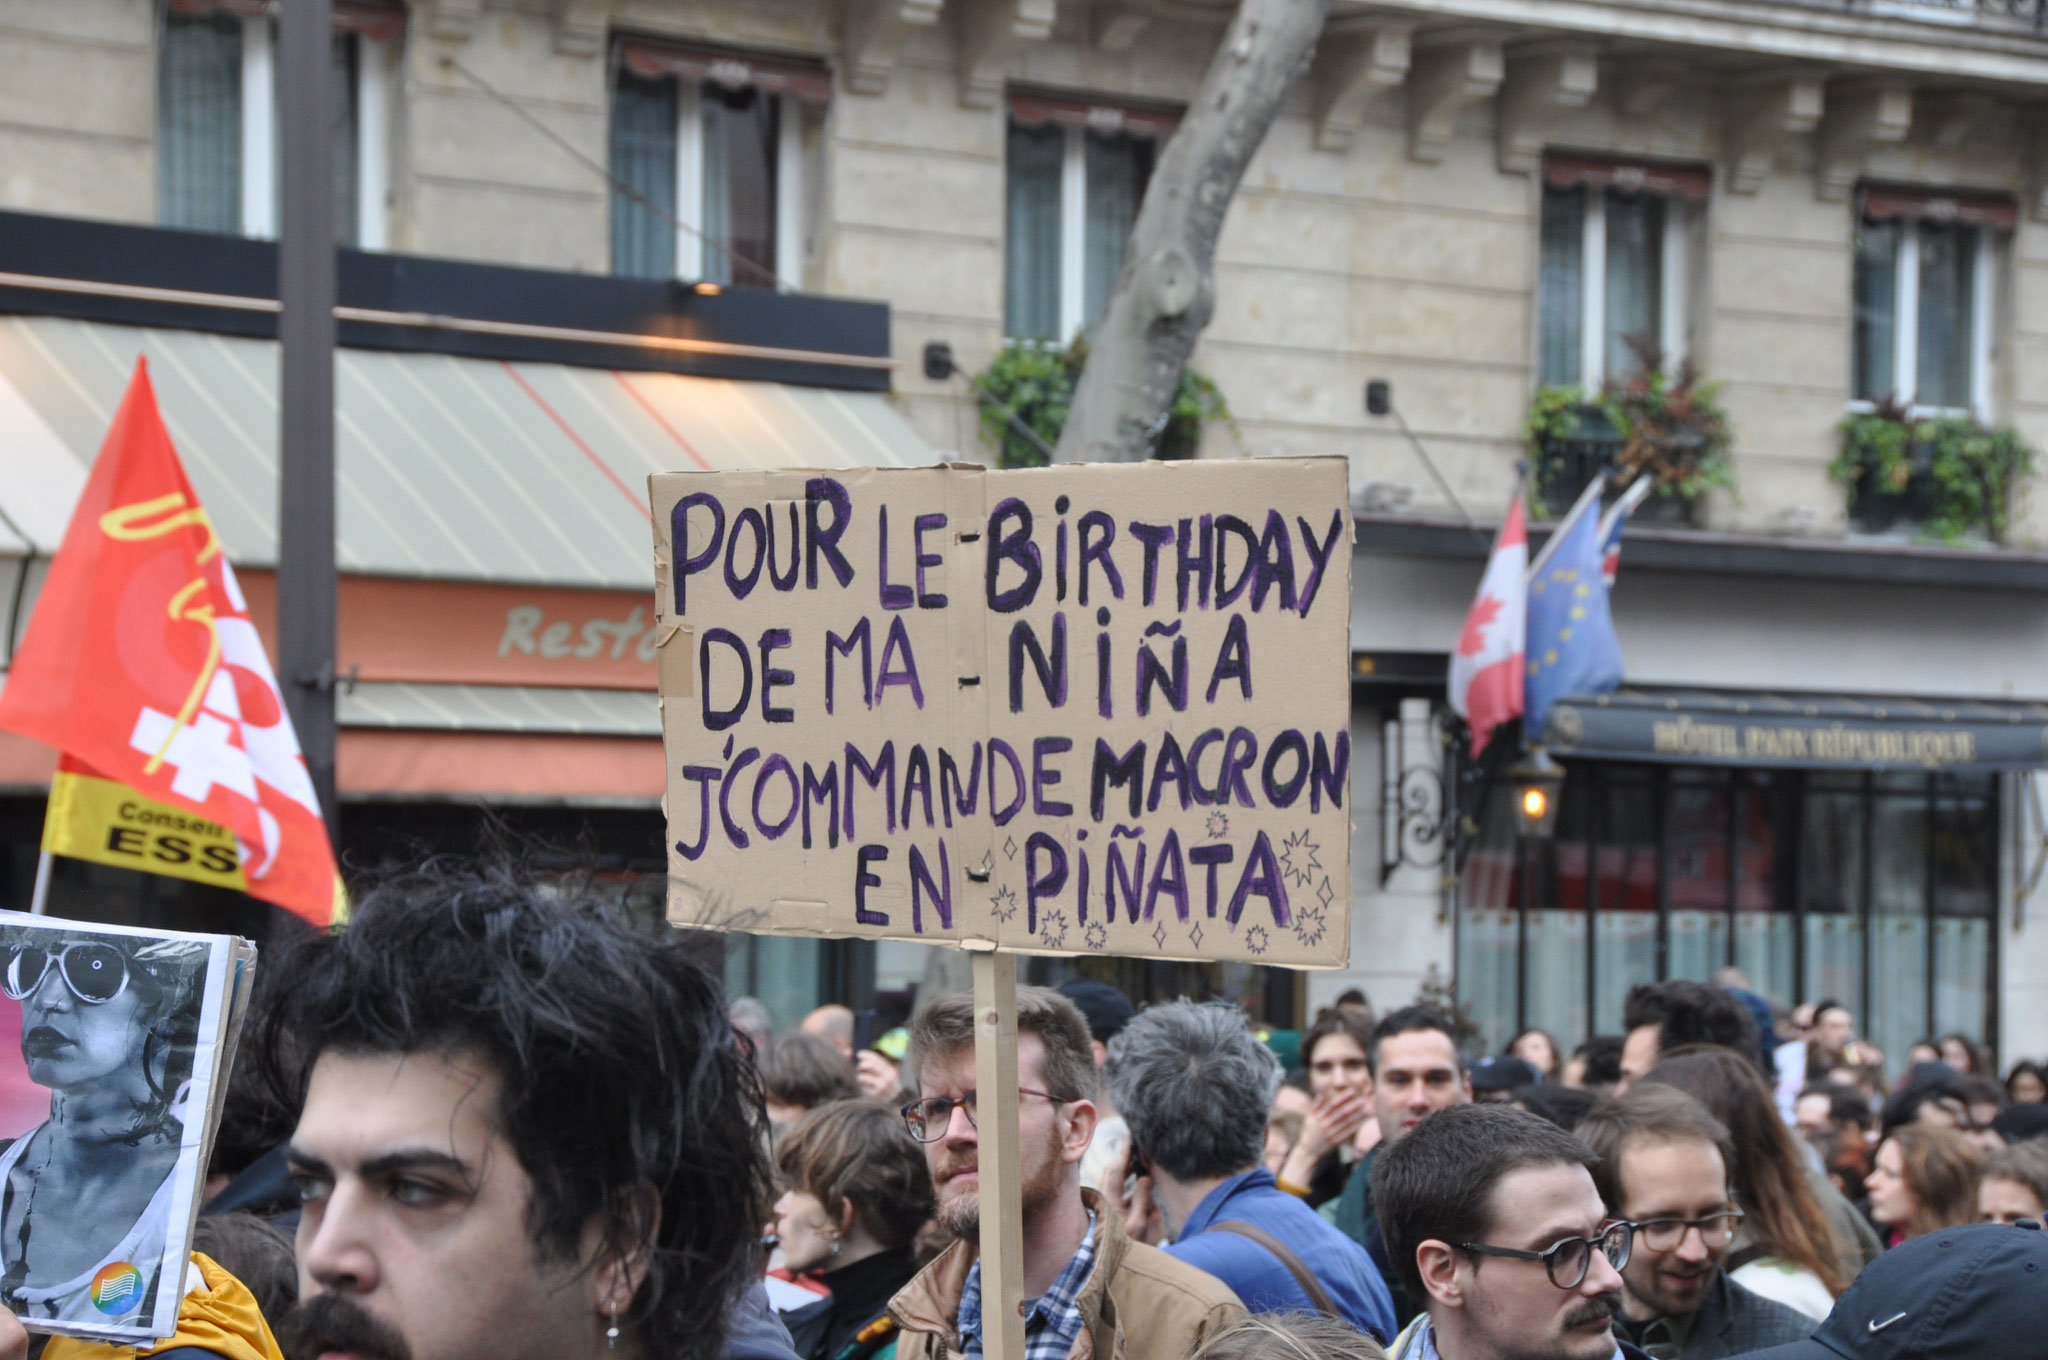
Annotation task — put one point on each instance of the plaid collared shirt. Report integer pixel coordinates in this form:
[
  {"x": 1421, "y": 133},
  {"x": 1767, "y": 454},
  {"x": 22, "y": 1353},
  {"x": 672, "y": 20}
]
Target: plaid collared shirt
[{"x": 1051, "y": 1322}]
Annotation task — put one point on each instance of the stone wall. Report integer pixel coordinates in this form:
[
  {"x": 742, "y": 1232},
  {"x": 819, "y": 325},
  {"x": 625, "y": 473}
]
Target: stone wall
[
  {"x": 78, "y": 108},
  {"x": 1334, "y": 266}
]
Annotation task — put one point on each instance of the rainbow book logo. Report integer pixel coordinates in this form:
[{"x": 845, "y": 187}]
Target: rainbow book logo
[{"x": 113, "y": 1290}]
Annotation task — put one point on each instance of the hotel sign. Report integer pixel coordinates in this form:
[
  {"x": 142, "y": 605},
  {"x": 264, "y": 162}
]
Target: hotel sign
[{"x": 1982, "y": 738}]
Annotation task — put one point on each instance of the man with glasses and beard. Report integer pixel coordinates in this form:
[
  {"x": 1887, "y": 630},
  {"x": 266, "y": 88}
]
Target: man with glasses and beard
[
  {"x": 1089, "y": 1291},
  {"x": 525, "y": 1130},
  {"x": 1664, "y": 1167},
  {"x": 1491, "y": 1214}
]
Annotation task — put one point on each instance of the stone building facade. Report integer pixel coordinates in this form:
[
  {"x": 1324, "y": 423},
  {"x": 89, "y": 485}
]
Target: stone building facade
[{"x": 1819, "y": 204}]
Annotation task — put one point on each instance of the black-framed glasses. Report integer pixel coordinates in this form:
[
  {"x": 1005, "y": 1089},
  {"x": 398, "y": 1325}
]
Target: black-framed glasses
[
  {"x": 1664, "y": 1234},
  {"x": 927, "y": 1119},
  {"x": 1568, "y": 1259},
  {"x": 96, "y": 973}
]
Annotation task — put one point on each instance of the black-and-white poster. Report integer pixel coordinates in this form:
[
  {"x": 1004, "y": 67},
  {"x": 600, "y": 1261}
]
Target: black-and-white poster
[{"x": 113, "y": 1050}]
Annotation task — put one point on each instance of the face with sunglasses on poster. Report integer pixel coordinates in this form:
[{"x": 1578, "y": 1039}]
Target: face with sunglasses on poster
[{"x": 102, "y": 1028}]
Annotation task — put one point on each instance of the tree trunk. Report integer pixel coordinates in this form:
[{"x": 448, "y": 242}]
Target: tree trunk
[{"x": 1167, "y": 291}]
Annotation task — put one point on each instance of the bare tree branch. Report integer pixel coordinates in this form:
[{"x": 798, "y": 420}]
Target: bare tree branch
[{"x": 1167, "y": 291}]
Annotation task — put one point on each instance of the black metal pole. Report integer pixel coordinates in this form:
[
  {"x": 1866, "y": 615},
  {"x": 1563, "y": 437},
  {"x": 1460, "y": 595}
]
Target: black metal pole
[
  {"x": 305, "y": 288},
  {"x": 1528, "y": 904}
]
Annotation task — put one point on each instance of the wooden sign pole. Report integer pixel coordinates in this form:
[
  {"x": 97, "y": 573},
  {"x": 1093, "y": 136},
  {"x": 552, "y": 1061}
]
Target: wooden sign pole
[{"x": 999, "y": 1159}]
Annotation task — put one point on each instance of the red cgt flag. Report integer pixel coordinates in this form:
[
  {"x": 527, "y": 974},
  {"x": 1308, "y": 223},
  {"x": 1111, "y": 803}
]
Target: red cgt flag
[{"x": 141, "y": 664}]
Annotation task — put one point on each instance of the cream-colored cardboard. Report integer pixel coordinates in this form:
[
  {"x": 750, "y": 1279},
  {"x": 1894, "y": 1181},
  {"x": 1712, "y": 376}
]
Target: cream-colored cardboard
[{"x": 933, "y": 648}]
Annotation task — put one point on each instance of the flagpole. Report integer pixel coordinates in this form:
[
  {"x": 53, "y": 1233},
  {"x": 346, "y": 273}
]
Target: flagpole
[
  {"x": 1589, "y": 497},
  {"x": 39, "y": 900}
]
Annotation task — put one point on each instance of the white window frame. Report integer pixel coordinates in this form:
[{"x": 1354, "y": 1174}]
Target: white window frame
[
  {"x": 1073, "y": 291},
  {"x": 259, "y": 135},
  {"x": 1073, "y": 230},
  {"x": 373, "y": 143},
  {"x": 789, "y": 187},
  {"x": 1906, "y": 325},
  {"x": 1673, "y": 284},
  {"x": 259, "y": 129}
]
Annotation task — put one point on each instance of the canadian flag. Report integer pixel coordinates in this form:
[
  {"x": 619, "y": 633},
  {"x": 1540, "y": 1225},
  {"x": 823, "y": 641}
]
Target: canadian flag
[
  {"x": 1486, "y": 669},
  {"x": 141, "y": 666}
]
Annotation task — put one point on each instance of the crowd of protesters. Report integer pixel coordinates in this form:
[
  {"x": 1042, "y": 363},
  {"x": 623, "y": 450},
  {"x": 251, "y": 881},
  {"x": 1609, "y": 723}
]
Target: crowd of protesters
[{"x": 486, "y": 1120}]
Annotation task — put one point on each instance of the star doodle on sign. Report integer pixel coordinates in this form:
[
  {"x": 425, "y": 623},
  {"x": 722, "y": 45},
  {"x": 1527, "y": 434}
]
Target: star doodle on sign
[
  {"x": 1159, "y": 935},
  {"x": 1218, "y": 826},
  {"x": 1326, "y": 892},
  {"x": 1004, "y": 901},
  {"x": 1097, "y": 935},
  {"x": 1298, "y": 860},
  {"x": 1195, "y": 935},
  {"x": 1053, "y": 929},
  {"x": 1309, "y": 926},
  {"x": 1256, "y": 939}
]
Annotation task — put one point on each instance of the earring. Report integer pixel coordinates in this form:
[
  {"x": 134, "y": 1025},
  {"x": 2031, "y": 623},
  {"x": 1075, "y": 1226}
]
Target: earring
[
  {"x": 611, "y": 1333},
  {"x": 836, "y": 1243}
]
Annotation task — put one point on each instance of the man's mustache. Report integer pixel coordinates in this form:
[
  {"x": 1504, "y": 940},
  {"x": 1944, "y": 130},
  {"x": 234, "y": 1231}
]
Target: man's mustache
[
  {"x": 1601, "y": 1309},
  {"x": 329, "y": 1322}
]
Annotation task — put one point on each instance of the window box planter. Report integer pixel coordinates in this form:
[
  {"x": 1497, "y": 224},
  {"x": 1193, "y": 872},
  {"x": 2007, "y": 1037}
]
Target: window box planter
[
  {"x": 1644, "y": 425},
  {"x": 1947, "y": 478},
  {"x": 1567, "y": 463}
]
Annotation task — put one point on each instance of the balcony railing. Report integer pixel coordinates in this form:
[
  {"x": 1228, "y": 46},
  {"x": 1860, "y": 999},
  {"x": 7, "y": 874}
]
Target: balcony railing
[{"x": 1566, "y": 467}]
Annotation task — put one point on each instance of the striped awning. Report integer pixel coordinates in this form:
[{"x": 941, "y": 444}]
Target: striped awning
[
  {"x": 501, "y": 708},
  {"x": 447, "y": 467}
]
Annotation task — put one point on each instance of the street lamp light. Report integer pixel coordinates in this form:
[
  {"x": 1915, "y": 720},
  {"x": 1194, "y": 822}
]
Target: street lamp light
[{"x": 1536, "y": 780}]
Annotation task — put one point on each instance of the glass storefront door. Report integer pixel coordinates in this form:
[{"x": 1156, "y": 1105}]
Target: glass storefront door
[{"x": 1875, "y": 890}]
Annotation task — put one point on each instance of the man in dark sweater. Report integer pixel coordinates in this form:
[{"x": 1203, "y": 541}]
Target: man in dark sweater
[
  {"x": 1416, "y": 1071},
  {"x": 1664, "y": 1167}
]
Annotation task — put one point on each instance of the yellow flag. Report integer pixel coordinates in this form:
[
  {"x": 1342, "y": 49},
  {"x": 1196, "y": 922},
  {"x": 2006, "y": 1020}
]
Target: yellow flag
[{"x": 107, "y": 822}]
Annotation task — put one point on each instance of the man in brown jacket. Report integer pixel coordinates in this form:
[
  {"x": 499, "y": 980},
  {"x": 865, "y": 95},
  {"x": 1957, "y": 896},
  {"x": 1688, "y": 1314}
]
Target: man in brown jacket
[{"x": 1090, "y": 1291}]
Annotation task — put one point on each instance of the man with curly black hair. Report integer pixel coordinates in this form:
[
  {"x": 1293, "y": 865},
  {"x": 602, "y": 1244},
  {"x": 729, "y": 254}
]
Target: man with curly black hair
[{"x": 525, "y": 1130}]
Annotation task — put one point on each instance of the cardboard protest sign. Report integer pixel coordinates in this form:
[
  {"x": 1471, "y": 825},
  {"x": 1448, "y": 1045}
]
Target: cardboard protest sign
[
  {"x": 1092, "y": 709},
  {"x": 115, "y": 1046}
]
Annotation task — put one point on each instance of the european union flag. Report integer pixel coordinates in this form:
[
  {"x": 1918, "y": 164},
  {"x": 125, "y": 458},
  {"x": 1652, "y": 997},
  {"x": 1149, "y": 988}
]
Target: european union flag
[{"x": 1571, "y": 644}]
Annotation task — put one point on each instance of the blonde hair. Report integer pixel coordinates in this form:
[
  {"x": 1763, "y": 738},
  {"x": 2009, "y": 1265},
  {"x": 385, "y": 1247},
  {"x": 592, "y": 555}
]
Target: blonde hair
[
  {"x": 1290, "y": 1336},
  {"x": 1940, "y": 1169},
  {"x": 944, "y": 1026}
]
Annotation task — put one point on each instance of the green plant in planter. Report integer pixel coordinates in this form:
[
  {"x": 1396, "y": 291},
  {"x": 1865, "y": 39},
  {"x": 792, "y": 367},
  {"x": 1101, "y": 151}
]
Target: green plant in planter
[
  {"x": 1037, "y": 382},
  {"x": 1957, "y": 474},
  {"x": 1670, "y": 428},
  {"x": 1554, "y": 414}
]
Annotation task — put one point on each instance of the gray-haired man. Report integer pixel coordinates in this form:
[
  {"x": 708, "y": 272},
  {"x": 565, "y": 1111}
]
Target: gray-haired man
[{"x": 1195, "y": 1083}]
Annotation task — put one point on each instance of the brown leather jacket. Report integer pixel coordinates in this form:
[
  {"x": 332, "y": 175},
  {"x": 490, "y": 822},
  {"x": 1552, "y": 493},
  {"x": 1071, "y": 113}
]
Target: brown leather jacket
[{"x": 1138, "y": 1304}]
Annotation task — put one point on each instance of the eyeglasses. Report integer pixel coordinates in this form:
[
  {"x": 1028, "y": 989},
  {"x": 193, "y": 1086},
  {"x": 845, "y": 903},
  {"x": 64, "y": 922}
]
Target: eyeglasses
[
  {"x": 95, "y": 973},
  {"x": 927, "y": 1119},
  {"x": 1566, "y": 1261},
  {"x": 1664, "y": 1234}
]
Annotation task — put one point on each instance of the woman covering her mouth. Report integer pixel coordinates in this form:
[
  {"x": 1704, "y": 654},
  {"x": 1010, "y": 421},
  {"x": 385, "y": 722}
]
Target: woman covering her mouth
[{"x": 108, "y": 1026}]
